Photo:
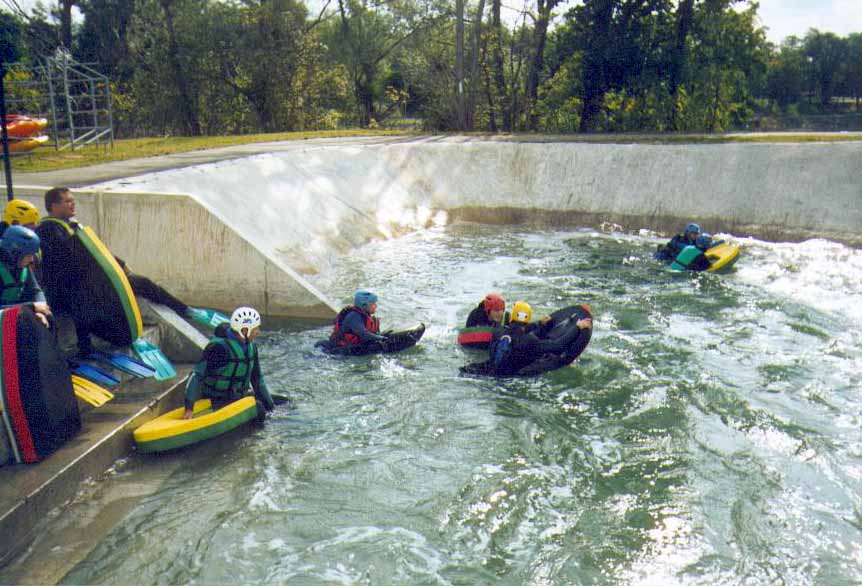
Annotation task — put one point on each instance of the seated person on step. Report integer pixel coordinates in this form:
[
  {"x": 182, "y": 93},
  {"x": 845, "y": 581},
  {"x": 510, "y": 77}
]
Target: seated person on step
[{"x": 18, "y": 249}]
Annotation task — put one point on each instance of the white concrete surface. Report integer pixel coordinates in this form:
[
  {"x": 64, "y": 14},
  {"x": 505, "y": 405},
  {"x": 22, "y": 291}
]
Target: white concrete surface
[{"x": 251, "y": 229}]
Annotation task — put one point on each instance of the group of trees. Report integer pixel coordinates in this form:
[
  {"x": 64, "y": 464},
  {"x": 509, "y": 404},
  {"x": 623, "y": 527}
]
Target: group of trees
[{"x": 235, "y": 66}]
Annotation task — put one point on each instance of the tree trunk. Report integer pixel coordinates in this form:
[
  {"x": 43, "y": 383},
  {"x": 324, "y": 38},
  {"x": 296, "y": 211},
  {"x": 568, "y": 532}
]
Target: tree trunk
[
  {"x": 499, "y": 66},
  {"x": 475, "y": 84},
  {"x": 679, "y": 57},
  {"x": 66, "y": 23},
  {"x": 540, "y": 35},
  {"x": 459, "y": 64},
  {"x": 187, "y": 107},
  {"x": 595, "y": 61}
]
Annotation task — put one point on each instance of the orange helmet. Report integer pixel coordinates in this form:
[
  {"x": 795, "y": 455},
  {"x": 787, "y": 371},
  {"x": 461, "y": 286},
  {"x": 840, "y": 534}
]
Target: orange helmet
[{"x": 494, "y": 302}]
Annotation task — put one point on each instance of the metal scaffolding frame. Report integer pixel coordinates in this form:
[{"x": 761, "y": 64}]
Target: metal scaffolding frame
[{"x": 72, "y": 96}]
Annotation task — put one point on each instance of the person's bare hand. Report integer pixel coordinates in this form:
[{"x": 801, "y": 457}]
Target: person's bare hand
[{"x": 585, "y": 323}]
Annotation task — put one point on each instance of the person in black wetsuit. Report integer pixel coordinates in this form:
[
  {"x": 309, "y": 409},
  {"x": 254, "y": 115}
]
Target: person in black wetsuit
[
  {"x": 491, "y": 312},
  {"x": 62, "y": 272},
  {"x": 671, "y": 250},
  {"x": 356, "y": 325},
  {"x": 520, "y": 343}
]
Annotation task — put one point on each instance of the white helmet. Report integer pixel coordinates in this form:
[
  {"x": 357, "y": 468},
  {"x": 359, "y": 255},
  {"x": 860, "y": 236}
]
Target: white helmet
[{"x": 244, "y": 318}]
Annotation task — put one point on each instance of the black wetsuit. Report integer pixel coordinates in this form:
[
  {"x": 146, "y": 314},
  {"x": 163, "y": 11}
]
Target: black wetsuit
[
  {"x": 671, "y": 250},
  {"x": 516, "y": 346},
  {"x": 61, "y": 274}
]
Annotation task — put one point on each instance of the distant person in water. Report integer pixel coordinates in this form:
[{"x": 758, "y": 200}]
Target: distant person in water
[
  {"x": 356, "y": 324},
  {"x": 671, "y": 250},
  {"x": 230, "y": 366},
  {"x": 491, "y": 312}
]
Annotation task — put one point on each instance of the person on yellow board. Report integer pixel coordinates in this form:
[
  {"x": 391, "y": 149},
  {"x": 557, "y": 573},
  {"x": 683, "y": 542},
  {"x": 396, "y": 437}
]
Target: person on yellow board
[{"x": 230, "y": 366}]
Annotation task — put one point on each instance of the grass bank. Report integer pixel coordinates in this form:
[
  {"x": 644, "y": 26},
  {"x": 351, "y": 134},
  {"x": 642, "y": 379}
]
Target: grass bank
[{"x": 47, "y": 159}]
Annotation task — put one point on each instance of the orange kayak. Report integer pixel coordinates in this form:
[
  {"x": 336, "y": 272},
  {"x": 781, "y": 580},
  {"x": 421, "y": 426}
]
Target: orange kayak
[
  {"x": 24, "y": 126},
  {"x": 25, "y": 145}
]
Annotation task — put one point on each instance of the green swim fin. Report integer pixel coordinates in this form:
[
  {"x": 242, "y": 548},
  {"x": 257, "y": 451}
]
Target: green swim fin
[
  {"x": 90, "y": 392},
  {"x": 209, "y": 318},
  {"x": 154, "y": 358}
]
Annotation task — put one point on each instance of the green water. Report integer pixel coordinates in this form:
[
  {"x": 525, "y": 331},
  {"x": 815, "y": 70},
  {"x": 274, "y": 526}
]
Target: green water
[{"x": 710, "y": 434}]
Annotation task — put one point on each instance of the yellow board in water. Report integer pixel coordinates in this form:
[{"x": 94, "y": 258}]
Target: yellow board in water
[
  {"x": 722, "y": 257},
  {"x": 170, "y": 431}
]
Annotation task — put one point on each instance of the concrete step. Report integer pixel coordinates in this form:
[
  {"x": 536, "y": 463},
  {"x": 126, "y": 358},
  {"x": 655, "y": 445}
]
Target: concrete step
[{"x": 30, "y": 492}]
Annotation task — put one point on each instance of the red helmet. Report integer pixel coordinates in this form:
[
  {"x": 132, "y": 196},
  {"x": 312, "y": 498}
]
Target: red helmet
[{"x": 494, "y": 302}]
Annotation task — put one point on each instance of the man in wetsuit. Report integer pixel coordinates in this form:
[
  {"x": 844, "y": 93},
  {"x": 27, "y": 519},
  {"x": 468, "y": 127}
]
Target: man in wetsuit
[
  {"x": 230, "y": 366},
  {"x": 491, "y": 312},
  {"x": 63, "y": 272}
]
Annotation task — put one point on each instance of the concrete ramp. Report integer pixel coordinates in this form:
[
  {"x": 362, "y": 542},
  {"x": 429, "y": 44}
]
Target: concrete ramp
[{"x": 257, "y": 229}]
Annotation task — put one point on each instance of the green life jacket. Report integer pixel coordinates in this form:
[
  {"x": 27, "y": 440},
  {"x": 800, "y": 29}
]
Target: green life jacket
[
  {"x": 234, "y": 377},
  {"x": 685, "y": 258},
  {"x": 12, "y": 289}
]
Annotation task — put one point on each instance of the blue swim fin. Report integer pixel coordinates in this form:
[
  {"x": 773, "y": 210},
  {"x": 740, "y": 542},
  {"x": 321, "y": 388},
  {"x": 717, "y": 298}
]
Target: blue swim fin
[
  {"x": 93, "y": 373},
  {"x": 154, "y": 358},
  {"x": 209, "y": 318},
  {"x": 123, "y": 363}
]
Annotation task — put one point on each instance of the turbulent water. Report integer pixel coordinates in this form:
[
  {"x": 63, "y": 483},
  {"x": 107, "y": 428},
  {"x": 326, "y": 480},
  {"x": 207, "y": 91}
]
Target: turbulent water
[{"x": 710, "y": 434}]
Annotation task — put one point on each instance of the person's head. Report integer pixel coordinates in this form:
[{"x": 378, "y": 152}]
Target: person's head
[
  {"x": 21, "y": 213},
  {"x": 245, "y": 321},
  {"x": 60, "y": 203},
  {"x": 522, "y": 313},
  {"x": 366, "y": 301},
  {"x": 692, "y": 231},
  {"x": 494, "y": 306},
  {"x": 20, "y": 244},
  {"x": 704, "y": 241}
]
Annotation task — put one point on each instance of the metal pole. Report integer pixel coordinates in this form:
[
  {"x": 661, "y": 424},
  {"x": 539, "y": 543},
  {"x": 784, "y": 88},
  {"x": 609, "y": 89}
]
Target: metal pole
[{"x": 7, "y": 161}]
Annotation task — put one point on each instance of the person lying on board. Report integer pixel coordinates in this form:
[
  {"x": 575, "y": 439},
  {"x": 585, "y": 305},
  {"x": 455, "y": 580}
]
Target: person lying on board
[
  {"x": 356, "y": 324},
  {"x": 491, "y": 312},
  {"x": 671, "y": 250},
  {"x": 18, "y": 249},
  {"x": 230, "y": 366},
  {"x": 519, "y": 343}
]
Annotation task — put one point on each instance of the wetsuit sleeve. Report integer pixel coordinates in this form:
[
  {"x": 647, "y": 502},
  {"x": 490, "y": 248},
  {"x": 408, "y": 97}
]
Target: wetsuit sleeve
[
  {"x": 258, "y": 383},
  {"x": 32, "y": 291},
  {"x": 477, "y": 317},
  {"x": 354, "y": 324},
  {"x": 193, "y": 385}
]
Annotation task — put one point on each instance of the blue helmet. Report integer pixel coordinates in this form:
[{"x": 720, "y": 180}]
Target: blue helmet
[
  {"x": 692, "y": 229},
  {"x": 703, "y": 241},
  {"x": 364, "y": 298},
  {"x": 18, "y": 241}
]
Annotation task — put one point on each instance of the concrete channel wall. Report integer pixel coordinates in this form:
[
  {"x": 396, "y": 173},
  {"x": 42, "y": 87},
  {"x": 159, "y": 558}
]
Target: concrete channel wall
[{"x": 257, "y": 229}]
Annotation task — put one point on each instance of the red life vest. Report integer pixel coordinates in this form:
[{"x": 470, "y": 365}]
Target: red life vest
[{"x": 340, "y": 338}]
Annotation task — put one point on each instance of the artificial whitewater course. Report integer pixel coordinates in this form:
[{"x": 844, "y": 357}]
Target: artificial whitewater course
[{"x": 709, "y": 434}]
